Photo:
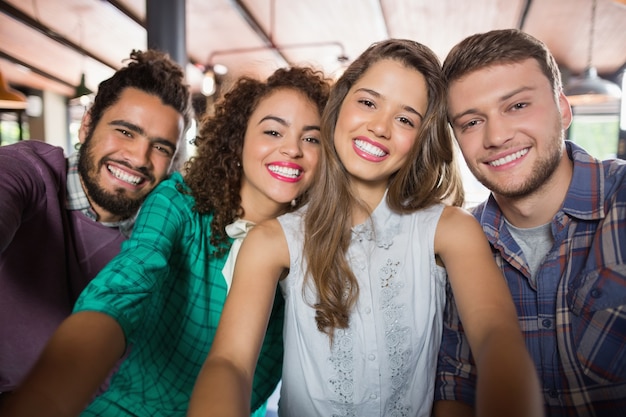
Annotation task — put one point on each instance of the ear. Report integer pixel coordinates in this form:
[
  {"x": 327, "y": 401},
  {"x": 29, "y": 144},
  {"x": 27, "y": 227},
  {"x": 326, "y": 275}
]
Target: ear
[
  {"x": 566, "y": 111},
  {"x": 84, "y": 127}
]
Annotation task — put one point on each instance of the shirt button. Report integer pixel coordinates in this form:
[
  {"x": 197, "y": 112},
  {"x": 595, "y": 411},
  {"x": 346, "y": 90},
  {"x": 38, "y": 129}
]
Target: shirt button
[
  {"x": 368, "y": 310},
  {"x": 553, "y": 393},
  {"x": 373, "y": 396},
  {"x": 371, "y": 356},
  {"x": 547, "y": 323},
  {"x": 596, "y": 293}
]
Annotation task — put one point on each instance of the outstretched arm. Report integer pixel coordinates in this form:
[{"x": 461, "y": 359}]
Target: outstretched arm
[
  {"x": 224, "y": 385},
  {"x": 507, "y": 381},
  {"x": 78, "y": 358}
]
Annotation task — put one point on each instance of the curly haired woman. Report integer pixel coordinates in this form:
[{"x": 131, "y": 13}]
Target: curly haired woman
[{"x": 159, "y": 301}]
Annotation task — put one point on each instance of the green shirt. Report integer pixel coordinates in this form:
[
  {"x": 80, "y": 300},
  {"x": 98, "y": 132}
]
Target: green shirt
[{"x": 166, "y": 290}]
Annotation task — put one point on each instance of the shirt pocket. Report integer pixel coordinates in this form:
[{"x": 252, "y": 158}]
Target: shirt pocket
[{"x": 598, "y": 323}]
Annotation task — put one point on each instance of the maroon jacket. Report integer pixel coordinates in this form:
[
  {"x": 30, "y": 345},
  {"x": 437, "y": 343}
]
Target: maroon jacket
[{"x": 47, "y": 253}]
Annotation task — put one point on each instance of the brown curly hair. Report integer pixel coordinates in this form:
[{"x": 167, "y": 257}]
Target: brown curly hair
[
  {"x": 152, "y": 72},
  {"x": 214, "y": 174}
]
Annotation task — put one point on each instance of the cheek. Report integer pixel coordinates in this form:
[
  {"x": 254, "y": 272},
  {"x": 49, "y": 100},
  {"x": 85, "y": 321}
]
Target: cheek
[
  {"x": 406, "y": 143},
  {"x": 314, "y": 155}
]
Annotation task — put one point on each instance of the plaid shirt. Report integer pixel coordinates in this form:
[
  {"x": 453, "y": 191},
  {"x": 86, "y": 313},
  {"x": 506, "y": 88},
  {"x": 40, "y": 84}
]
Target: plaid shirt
[
  {"x": 167, "y": 291},
  {"x": 574, "y": 316},
  {"x": 77, "y": 199}
]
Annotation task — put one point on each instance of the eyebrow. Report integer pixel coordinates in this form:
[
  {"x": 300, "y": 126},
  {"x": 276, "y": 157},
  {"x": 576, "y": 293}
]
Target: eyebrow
[
  {"x": 140, "y": 131},
  {"x": 404, "y": 107},
  {"x": 285, "y": 123},
  {"x": 505, "y": 97}
]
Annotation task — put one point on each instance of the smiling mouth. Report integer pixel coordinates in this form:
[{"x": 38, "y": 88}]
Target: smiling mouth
[
  {"x": 285, "y": 171},
  {"x": 124, "y": 176},
  {"x": 509, "y": 158},
  {"x": 369, "y": 148}
]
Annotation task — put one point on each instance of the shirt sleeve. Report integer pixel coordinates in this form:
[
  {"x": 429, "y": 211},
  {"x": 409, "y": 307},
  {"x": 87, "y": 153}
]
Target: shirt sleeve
[
  {"x": 123, "y": 288},
  {"x": 25, "y": 182},
  {"x": 456, "y": 371}
]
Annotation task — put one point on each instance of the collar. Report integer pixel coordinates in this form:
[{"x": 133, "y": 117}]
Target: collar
[{"x": 77, "y": 198}]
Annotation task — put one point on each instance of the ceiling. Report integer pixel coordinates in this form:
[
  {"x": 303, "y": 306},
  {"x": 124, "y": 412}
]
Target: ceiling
[{"x": 47, "y": 44}]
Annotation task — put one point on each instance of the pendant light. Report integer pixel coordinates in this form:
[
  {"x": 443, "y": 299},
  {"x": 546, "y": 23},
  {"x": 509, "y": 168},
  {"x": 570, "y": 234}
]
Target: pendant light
[
  {"x": 81, "y": 89},
  {"x": 590, "y": 88},
  {"x": 82, "y": 92},
  {"x": 11, "y": 99}
]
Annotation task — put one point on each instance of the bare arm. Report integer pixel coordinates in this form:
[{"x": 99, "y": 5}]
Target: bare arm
[
  {"x": 224, "y": 385},
  {"x": 507, "y": 381},
  {"x": 75, "y": 362},
  {"x": 452, "y": 409}
]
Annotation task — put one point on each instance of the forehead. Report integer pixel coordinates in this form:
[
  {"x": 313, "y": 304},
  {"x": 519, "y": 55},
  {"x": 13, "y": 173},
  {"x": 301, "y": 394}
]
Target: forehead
[
  {"x": 496, "y": 81},
  {"x": 395, "y": 81},
  {"x": 286, "y": 102},
  {"x": 511, "y": 71},
  {"x": 146, "y": 111}
]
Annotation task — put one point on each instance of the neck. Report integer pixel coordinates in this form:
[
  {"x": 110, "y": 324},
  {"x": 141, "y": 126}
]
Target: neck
[{"x": 370, "y": 196}]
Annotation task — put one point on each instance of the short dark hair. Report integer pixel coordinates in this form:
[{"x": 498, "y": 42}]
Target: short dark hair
[
  {"x": 504, "y": 46},
  {"x": 153, "y": 72}
]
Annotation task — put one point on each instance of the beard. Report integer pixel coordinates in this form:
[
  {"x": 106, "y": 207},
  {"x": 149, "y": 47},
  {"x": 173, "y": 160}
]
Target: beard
[
  {"x": 543, "y": 169},
  {"x": 117, "y": 202}
]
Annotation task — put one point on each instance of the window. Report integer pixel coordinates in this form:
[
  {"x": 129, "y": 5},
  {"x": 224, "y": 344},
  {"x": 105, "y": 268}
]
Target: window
[{"x": 12, "y": 127}]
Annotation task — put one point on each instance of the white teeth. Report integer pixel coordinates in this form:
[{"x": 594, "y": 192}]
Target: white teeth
[
  {"x": 124, "y": 176},
  {"x": 508, "y": 158},
  {"x": 369, "y": 148},
  {"x": 285, "y": 171}
]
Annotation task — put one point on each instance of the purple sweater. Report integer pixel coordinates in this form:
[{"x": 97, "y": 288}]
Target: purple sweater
[{"x": 47, "y": 254}]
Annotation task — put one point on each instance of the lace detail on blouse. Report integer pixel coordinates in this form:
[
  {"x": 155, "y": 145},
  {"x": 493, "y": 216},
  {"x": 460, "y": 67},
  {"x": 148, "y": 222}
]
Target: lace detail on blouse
[
  {"x": 396, "y": 338},
  {"x": 383, "y": 238},
  {"x": 342, "y": 359}
]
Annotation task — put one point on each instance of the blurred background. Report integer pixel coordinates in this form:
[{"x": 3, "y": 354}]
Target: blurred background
[{"x": 53, "y": 53}]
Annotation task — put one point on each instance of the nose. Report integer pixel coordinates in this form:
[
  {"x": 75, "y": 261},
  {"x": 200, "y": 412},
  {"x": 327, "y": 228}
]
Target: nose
[
  {"x": 137, "y": 153},
  {"x": 291, "y": 147},
  {"x": 379, "y": 125},
  {"x": 497, "y": 132}
]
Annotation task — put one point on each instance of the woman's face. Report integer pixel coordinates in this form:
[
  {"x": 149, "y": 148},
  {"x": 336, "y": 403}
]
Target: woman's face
[
  {"x": 379, "y": 121},
  {"x": 281, "y": 150}
]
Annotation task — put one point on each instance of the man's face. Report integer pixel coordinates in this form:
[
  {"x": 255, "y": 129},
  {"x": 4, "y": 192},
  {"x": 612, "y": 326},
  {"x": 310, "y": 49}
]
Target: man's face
[
  {"x": 127, "y": 153},
  {"x": 509, "y": 126}
]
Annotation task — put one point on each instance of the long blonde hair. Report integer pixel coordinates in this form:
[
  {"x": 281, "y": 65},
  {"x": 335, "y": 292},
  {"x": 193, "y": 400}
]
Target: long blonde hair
[{"x": 430, "y": 176}]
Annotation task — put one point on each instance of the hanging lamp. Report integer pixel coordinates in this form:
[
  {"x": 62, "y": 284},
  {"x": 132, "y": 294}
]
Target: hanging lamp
[
  {"x": 11, "y": 99},
  {"x": 590, "y": 88},
  {"x": 81, "y": 92},
  {"x": 81, "y": 89}
]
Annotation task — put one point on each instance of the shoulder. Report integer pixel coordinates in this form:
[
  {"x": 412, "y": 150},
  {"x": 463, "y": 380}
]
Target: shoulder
[
  {"x": 172, "y": 189},
  {"x": 455, "y": 216},
  {"x": 456, "y": 226},
  {"x": 266, "y": 245},
  {"x": 35, "y": 153},
  {"x": 268, "y": 230}
]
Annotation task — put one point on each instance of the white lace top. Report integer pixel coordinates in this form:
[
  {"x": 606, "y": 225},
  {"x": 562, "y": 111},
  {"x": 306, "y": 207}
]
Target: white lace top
[{"x": 384, "y": 364}]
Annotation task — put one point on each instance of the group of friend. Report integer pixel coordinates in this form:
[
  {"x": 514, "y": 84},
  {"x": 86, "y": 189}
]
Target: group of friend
[{"x": 317, "y": 237}]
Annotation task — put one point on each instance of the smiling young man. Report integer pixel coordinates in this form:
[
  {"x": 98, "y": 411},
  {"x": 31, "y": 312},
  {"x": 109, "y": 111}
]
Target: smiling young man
[
  {"x": 556, "y": 222},
  {"x": 62, "y": 220}
]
